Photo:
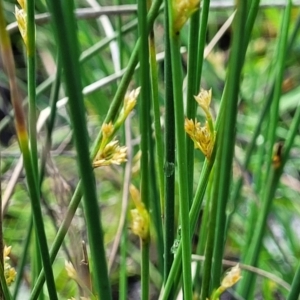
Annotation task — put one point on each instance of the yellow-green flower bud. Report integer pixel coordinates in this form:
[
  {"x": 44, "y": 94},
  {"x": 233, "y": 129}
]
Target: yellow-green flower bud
[
  {"x": 22, "y": 23},
  {"x": 140, "y": 219},
  {"x": 182, "y": 10},
  {"x": 9, "y": 272},
  {"x": 111, "y": 154}
]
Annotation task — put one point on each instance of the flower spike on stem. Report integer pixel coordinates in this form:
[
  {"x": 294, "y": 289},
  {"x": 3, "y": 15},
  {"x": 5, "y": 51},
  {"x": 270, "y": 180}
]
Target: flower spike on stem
[
  {"x": 107, "y": 134},
  {"x": 140, "y": 223},
  {"x": 230, "y": 279},
  {"x": 129, "y": 104},
  {"x": 22, "y": 22},
  {"x": 182, "y": 10},
  {"x": 202, "y": 136},
  {"x": 9, "y": 272},
  {"x": 110, "y": 152}
]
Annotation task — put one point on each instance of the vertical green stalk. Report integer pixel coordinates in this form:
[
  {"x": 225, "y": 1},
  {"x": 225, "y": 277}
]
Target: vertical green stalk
[
  {"x": 191, "y": 91},
  {"x": 124, "y": 236},
  {"x": 65, "y": 26},
  {"x": 181, "y": 154},
  {"x": 145, "y": 129},
  {"x": 169, "y": 164},
  {"x": 195, "y": 63},
  {"x": 119, "y": 96},
  {"x": 23, "y": 260},
  {"x": 251, "y": 258},
  {"x": 245, "y": 286},
  {"x": 159, "y": 205},
  {"x": 59, "y": 237},
  {"x": 155, "y": 207},
  {"x": 123, "y": 266},
  {"x": 156, "y": 114},
  {"x": 226, "y": 133},
  {"x": 249, "y": 151},
  {"x": 193, "y": 215},
  {"x": 30, "y": 47},
  {"x": 295, "y": 288},
  {"x": 50, "y": 124},
  {"x": 257, "y": 130},
  {"x": 36, "y": 261},
  {"x": 116, "y": 103},
  {"x": 202, "y": 40},
  {"x": 201, "y": 45},
  {"x": 280, "y": 57},
  {"x": 203, "y": 233},
  {"x": 209, "y": 247},
  {"x": 28, "y": 164}
]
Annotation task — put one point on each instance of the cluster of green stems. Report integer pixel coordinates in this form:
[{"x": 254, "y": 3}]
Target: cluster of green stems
[{"x": 215, "y": 140}]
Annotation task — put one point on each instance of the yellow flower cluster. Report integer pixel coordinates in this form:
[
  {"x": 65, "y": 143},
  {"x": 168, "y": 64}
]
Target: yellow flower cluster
[
  {"x": 230, "y": 279},
  {"x": 9, "y": 272},
  {"x": 21, "y": 19},
  {"x": 202, "y": 136},
  {"x": 110, "y": 152},
  {"x": 182, "y": 10},
  {"x": 140, "y": 219}
]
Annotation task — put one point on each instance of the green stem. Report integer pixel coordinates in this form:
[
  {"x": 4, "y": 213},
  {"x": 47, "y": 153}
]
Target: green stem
[
  {"x": 28, "y": 164},
  {"x": 30, "y": 46},
  {"x": 168, "y": 211},
  {"x": 156, "y": 114},
  {"x": 210, "y": 238},
  {"x": 202, "y": 40},
  {"x": 226, "y": 133},
  {"x": 59, "y": 237},
  {"x": 203, "y": 233},
  {"x": 257, "y": 131},
  {"x": 158, "y": 205},
  {"x": 144, "y": 108},
  {"x": 193, "y": 216},
  {"x": 22, "y": 263},
  {"x": 119, "y": 96},
  {"x": 111, "y": 115},
  {"x": 191, "y": 91},
  {"x": 280, "y": 57},
  {"x": 30, "y": 4},
  {"x": 251, "y": 258},
  {"x": 123, "y": 266},
  {"x": 38, "y": 219},
  {"x": 181, "y": 156},
  {"x": 65, "y": 26},
  {"x": 155, "y": 207},
  {"x": 295, "y": 288}
]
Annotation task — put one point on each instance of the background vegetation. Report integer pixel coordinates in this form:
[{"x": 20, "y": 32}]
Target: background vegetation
[{"x": 81, "y": 221}]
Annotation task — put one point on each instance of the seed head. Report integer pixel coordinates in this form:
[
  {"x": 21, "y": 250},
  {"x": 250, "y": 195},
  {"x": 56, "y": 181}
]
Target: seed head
[
  {"x": 201, "y": 135},
  {"x": 140, "y": 219},
  {"x": 183, "y": 9},
  {"x": 231, "y": 278},
  {"x": 22, "y": 23},
  {"x": 9, "y": 272},
  {"x": 111, "y": 154}
]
